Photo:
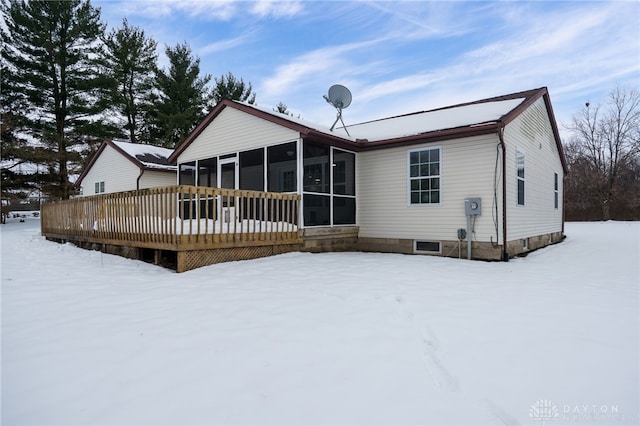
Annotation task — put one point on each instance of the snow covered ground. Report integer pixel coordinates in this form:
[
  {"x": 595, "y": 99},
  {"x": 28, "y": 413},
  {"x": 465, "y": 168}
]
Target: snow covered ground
[{"x": 342, "y": 338}]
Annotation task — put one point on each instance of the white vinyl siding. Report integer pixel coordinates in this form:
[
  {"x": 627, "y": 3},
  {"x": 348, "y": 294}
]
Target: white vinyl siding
[
  {"x": 532, "y": 134},
  {"x": 467, "y": 170},
  {"x": 155, "y": 178},
  {"x": 234, "y": 131},
  {"x": 120, "y": 174},
  {"x": 117, "y": 172}
]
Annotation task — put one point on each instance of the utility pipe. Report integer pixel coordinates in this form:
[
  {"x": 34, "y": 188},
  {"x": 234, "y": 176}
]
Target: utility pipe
[{"x": 505, "y": 252}]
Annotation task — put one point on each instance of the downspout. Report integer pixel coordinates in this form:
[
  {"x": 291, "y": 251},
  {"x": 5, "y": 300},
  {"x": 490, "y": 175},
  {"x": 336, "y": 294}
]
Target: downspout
[
  {"x": 139, "y": 177},
  {"x": 505, "y": 252}
]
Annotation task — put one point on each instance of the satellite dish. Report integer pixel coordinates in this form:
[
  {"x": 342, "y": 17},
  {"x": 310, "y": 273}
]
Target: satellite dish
[{"x": 340, "y": 97}]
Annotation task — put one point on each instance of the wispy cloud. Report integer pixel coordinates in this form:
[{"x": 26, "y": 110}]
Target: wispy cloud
[
  {"x": 222, "y": 45},
  {"x": 424, "y": 19},
  {"x": 276, "y": 8},
  {"x": 327, "y": 62},
  {"x": 222, "y": 10},
  {"x": 399, "y": 85},
  {"x": 203, "y": 9}
]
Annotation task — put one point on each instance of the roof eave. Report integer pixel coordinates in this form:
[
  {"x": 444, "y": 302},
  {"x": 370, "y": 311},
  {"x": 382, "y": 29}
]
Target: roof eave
[
  {"x": 533, "y": 96},
  {"x": 304, "y": 131},
  {"x": 556, "y": 133},
  {"x": 160, "y": 167},
  {"x": 434, "y": 136}
]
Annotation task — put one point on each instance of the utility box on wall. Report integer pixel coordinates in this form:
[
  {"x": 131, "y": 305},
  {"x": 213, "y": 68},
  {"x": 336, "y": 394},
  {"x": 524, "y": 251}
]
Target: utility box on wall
[{"x": 472, "y": 206}]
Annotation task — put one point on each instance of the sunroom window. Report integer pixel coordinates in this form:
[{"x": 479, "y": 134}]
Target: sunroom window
[
  {"x": 281, "y": 168},
  {"x": 252, "y": 170},
  {"x": 187, "y": 174},
  {"x": 208, "y": 172},
  {"x": 316, "y": 168},
  {"x": 328, "y": 186}
]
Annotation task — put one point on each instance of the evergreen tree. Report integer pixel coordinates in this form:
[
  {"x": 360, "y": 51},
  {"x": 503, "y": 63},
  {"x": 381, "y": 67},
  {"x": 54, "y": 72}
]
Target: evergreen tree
[
  {"x": 130, "y": 59},
  {"x": 282, "y": 108},
  {"x": 17, "y": 181},
  {"x": 181, "y": 101},
  {"x": 51, "y": 50},
  {"x": 228, "y": 87}
]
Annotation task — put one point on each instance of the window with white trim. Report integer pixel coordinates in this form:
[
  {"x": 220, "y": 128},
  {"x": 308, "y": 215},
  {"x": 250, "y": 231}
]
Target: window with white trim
[
  {"x": 520, "y": 177},
  {"x": 99, "y": 187},
  {"x": 424, "y": 176},
  {"x": 555, "y": 190}
]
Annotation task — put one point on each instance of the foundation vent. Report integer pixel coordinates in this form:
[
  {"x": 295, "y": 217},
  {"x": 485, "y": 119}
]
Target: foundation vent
[{"x": 427, "y": 246}]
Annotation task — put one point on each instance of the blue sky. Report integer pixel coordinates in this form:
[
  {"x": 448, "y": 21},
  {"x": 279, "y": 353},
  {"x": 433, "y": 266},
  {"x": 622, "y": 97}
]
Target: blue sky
[{"x": 400, "y": 57}]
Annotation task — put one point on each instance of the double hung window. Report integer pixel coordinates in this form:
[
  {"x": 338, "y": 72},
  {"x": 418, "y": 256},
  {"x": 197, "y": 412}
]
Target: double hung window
[{"x": 424, "y": 176}]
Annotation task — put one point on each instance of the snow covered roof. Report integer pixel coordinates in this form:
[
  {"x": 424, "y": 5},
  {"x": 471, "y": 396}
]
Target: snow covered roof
[
  {"x": 149, "y": 156},
  {"x": 453, "y": 122},
  {"x": 304, "y": 123},
  {"x": 417, "y": 123},
  {"x": 428, "y": 121}
]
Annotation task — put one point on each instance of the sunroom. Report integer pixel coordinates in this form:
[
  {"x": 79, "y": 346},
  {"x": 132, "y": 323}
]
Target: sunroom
[{"x": 324, "y": 175}]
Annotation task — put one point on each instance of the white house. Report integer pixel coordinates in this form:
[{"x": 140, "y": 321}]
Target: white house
[
  {"x": 398, "y": 184},
  {"x": 123, "y": 166}
]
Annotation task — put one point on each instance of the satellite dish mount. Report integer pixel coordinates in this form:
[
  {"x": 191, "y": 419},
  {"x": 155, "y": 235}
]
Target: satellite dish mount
[{"x": 340, "y": 97}]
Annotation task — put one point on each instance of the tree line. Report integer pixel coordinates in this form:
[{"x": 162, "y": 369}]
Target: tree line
[
  {"x": 603, "y": 159},
  {"x": 67, "y": 84}
]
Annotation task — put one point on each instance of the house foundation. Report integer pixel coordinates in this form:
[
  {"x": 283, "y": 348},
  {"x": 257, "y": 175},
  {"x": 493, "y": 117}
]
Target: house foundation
[
  {"x": 318, "y": 240},
  {"x": 455, "y": 248}
]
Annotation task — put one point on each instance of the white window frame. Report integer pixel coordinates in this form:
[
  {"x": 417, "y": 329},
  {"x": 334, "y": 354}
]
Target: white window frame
[
  {"x": 99, "y": 187},
  {"x": 556, "y": 195},
  {"x": 520, "y": 153},
  {"x": 410, "y": 178}
]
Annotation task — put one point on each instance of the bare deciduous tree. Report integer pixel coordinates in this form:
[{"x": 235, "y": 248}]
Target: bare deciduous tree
[{"x": 604, "y": 148}]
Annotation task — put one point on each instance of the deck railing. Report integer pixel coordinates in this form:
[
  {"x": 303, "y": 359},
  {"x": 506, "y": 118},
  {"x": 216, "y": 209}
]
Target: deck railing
[{"x": 177, "y": 218}]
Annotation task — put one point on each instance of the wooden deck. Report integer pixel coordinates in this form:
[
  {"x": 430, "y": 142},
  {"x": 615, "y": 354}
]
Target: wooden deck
[{"x": 200, "y": 225}]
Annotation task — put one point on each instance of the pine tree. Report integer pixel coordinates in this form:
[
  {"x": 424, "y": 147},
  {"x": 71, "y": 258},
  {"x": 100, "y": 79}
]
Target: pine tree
[
  {"x": 51, "y": 51},
  {"x": 228, "y": 87},
  {"x": 130, "y": 59},
  {"x": 282, "y": 108},
  {"x": 17, "y": 181},
  {"x": 182, "y": 97}
]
